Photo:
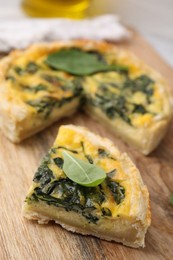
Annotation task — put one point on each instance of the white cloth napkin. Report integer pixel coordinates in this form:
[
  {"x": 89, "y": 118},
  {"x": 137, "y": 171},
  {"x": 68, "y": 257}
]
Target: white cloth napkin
[{"x": 23, "y": 32}]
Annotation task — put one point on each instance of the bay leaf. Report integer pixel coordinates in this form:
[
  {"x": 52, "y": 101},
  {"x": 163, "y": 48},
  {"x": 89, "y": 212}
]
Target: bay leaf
[
  {"x": 82, "y": 172},
  {"x": 80, "y": 63}
]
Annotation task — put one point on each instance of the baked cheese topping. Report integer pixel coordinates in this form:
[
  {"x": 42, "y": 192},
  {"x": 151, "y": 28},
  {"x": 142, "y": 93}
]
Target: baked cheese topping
[
  {"x": 52, "y": 186},
  {"x": 42, "y": 90},
  {"x": 129, "y": 95}
]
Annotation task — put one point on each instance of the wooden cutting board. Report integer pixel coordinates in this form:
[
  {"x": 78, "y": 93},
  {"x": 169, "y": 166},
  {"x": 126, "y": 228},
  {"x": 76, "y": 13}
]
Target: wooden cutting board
[{"x": 21, "y": 239}]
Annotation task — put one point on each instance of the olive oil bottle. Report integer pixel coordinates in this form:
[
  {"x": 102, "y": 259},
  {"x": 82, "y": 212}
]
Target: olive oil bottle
[{"x": 56, "y": 8}]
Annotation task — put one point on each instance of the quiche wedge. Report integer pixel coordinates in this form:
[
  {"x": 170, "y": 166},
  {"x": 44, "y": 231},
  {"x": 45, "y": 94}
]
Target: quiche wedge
[
  {"x": 115, "y": 210},
  {"x": 48, "y": 81}
]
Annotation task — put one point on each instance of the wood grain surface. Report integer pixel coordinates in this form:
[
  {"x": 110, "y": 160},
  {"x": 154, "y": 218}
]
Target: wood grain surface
[{"x": 21, "y": 239}]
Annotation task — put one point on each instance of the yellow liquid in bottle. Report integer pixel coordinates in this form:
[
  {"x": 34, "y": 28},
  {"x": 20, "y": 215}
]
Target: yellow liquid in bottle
[{"x": 56, "y": 8}]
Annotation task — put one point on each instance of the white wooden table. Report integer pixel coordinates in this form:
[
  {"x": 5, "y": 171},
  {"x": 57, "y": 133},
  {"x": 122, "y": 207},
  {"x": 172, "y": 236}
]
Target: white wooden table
[{"x": 152, "y": 18}]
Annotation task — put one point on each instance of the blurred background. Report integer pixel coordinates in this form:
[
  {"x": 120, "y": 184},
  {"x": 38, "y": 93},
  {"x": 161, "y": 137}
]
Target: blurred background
[{"x": 152, "y": 18}]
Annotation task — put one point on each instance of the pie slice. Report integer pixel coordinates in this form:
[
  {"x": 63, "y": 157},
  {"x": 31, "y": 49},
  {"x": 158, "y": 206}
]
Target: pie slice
[
  {"x": 115, "y": 210},
  {"x": 48, "y": 81}
]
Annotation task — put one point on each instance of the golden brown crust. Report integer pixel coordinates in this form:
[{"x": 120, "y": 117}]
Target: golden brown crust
[
  {"x": 145, "y": 139},
  {"x": 42, "y": 219}
]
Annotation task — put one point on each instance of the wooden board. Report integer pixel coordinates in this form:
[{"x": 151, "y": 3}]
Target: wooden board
[{"x": 21, "y": 239}]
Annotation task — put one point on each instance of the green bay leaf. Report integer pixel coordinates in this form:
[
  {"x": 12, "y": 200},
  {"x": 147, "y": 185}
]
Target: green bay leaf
[
  {"x": 82, "y": 172},
  {"x": 80, "y": 63}
]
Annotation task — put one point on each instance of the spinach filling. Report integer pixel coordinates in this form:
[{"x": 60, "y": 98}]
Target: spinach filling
[
  {"x": 87, "y": 156},
  {"x": 73, "y": 85},
  {"x": 46, "y": 104},
  {"x": 30, "y": 68},
  {"x": 142, "y": 83},
  {"x": 117, "y": 190},
  {"x": 44, "y": 175},
  {"x": 102, "y": 153},
  {"x": 113, "y": 104},
  {"x": 34, "y": 89},
  {"x": 117, "y": 105},
  {"x": 67, "y": 194},
  {"x": 63, "y": 192},
  {"x": 59, "y": 162}
]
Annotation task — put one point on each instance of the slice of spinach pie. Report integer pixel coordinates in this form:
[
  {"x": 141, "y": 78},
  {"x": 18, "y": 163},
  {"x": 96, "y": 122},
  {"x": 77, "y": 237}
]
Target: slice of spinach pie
[{"x": 87, "y": 186}]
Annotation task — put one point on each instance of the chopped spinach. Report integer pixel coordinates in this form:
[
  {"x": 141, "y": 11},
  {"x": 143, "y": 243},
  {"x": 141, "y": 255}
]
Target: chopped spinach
[
  {"x": 31, "y": 67},
  {"x": 19, "y": 70},
  {"x": 40, "y": 195},
  {"x": 77, "y": 86},
  {"x": 116, "y": 105},
  {"x": 70, "y": 196},
  {"x": 74, "y": 85},
  {"x": 139, "y": 109},
  {"x": 46, "y": 104},
  {"x": 34, "y": 89},
  {"x": 31, "y": 199},
  {"x": 117, "y": 190},
  {"x": 44, "y": 174},
  {"x": 65, "y": 148},
  {"x": 91, "y": 218},
  {"x": 61, "y": 102},
  {"x": 54, "y": 80},
  {"x": 106, "y": 212},
  {"x": 39, "y": 87},
  {"x": 93, "y": 195},
  {"x": 142, "y": 83},
  {"x": 112, "y": 105},
  {"x": 104, "y": 154},
  {"x": 59, "y": 162},
  {"x": 87, "y": 156}
]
